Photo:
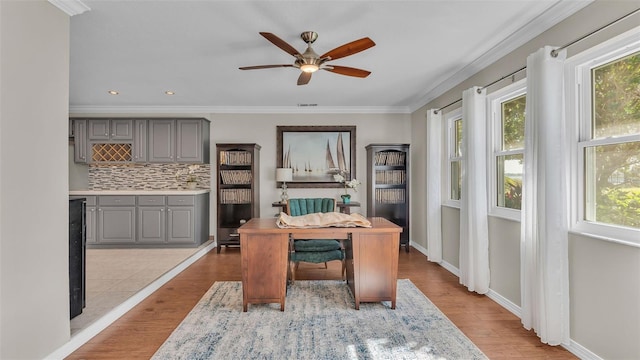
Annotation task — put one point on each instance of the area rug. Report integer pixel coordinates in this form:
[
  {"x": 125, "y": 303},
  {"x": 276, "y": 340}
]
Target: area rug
[{"x": 319, "y": 322}]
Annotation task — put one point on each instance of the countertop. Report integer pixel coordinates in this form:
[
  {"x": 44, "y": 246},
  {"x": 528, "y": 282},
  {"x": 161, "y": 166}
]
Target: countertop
[{"x": 138, "y": 192}]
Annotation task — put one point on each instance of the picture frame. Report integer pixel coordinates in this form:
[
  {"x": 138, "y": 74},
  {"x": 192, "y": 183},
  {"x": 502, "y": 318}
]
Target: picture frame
[{"x": 316, "y": 153}]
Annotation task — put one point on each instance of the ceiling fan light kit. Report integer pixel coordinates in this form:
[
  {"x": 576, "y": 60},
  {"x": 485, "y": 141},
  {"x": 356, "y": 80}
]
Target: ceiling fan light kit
[{"x": 309, "y": 61}]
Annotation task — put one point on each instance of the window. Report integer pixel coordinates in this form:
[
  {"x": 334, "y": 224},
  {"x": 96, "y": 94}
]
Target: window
[
  {"x": 507, "y": 114},
  {"x": 454, "y": 156},
  {"x": 607, "y": 83}
]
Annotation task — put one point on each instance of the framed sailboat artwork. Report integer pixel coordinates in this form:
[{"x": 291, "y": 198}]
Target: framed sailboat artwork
[{"x": 316, "y": 153}]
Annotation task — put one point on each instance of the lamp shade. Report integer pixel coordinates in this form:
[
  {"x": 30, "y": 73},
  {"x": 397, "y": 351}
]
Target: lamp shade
[{"x": 284, "y": 174}]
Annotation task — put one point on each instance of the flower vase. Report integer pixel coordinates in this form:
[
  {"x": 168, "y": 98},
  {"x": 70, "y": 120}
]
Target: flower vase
[
  {"x": 346, "y": 198},
  {"x": 191, "y": 185}
]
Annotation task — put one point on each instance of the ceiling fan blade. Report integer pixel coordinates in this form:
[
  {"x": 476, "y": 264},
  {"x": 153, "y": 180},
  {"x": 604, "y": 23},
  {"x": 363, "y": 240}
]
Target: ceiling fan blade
[
  {"x": 304, "y": 78},
  {"x": 349, "y": 49},
  {"x": 280, "y": 43},
  {"x": 264, "y": 66},
  {"x": 349, "y": 71}
]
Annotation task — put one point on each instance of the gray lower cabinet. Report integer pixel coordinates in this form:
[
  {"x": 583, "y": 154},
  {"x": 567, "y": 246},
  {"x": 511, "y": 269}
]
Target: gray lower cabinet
[
  {"x": 91, "y": 220},
  {"x": 152, "y": 215},
  {"x": 116, "y": 219},
  {"x": 148, "y": 221}
]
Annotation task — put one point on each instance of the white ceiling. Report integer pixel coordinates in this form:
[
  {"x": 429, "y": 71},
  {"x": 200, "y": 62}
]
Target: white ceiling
[{"x": 143, "y": 48}]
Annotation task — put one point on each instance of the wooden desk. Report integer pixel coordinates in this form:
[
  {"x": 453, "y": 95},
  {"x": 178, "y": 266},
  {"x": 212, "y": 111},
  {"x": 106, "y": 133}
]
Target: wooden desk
[
  {"x": 342, "y": 207},
  {"x": 371, "y": 260}
]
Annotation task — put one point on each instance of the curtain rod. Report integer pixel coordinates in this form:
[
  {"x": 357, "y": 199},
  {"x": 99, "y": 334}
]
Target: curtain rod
[
  {"x": 483, "y": 87},
  {"x": 554, "y": 53}
]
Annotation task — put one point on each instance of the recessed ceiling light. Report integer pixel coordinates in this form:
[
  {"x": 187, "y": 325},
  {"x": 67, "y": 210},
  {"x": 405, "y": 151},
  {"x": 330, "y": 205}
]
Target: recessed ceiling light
[
  {"x": 113, "y": 92},
  {"x": 169, "y": 92}
]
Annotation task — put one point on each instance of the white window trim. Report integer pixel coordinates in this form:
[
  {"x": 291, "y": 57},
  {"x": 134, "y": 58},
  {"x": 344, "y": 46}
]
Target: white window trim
[
  {"x": 578, "y": 102},
  {"x": 494, "y": 113},
  {"x": 450, "y": 119}
]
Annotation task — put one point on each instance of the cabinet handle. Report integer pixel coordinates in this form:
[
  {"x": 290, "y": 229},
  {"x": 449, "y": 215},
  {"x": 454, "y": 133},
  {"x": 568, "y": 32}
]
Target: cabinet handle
[
  {"x": 168, "y": 209},
  {"x": 92, "y": 210},
  {"x": 234, "y": 235},
  {"x": 161, "y": 210}
]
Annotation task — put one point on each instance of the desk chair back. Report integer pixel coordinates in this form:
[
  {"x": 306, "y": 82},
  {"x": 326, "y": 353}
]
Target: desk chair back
[{"x": 315, "y": 251}]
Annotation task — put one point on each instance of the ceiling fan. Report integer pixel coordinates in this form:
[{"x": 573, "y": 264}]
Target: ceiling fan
[{"x": 309, "y": 62}]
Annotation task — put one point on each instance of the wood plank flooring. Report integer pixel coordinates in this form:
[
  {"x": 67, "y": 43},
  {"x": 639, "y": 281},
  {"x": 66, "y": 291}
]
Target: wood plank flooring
[{"x": 140, "y": 332}]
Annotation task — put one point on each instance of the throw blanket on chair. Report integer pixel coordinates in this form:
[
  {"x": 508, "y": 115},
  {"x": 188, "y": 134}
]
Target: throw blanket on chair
[{"x": 320, "y": 220}]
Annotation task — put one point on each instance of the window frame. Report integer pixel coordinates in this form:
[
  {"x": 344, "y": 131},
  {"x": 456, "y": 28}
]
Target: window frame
[
  {"x": 494, "y": 113},
  {"x": 578, "y": 110},
  {"x": 450, "y": 144}
]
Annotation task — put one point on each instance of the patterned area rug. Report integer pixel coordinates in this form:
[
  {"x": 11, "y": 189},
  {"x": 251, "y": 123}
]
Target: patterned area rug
[{"x": 319, "y": 322}]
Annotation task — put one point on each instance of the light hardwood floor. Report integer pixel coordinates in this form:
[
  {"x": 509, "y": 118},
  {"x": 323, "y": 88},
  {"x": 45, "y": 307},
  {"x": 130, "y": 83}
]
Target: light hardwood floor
[{"x": 139, "y": 333}]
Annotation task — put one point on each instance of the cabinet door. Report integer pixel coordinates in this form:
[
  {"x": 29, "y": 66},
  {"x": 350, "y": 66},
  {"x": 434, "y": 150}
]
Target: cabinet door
[
  {"x": 181, "y": 224},
  {"x": 140, "y": 141},
  {"x": 80, "y": 141},
  {"x": 161, "y": 140},
  {"x": 98, "y": 129},
  {"x": 151, "y": 224},
  {"x": 121, "y": 129},
  {"x": 116, "y": 224},
  {"x": 90, "y": 224},
  {"x": 189, "y": 141}
]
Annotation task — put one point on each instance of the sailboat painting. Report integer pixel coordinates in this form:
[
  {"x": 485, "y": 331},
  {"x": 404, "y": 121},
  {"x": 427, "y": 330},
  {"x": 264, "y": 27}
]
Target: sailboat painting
[{"x": 316, "y": 153}]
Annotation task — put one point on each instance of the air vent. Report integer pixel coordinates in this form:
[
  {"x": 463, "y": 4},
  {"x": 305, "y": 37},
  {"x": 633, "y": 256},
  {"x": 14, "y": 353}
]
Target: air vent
[{"x": 307, "y": 105}]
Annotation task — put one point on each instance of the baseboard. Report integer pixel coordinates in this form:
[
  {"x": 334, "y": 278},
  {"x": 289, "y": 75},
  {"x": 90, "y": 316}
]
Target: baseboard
[
  {"x": 419, "y": 248},
  {"x": 452, "y": 269},
  {"x": 580, "y": 351},
  {"x": 505, "y": 303},
  {"x": 95, "y": 328}
]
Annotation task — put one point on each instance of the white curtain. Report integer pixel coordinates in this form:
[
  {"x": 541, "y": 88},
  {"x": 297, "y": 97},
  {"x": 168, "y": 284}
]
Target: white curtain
[
  {"x": 434, "y": 190},
  {"x": 474, "y": 227},
  {"x": 544, "y": 254}
]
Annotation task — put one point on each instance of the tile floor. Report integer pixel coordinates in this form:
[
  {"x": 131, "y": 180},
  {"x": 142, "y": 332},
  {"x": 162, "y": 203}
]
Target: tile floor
[{"x": 113, "y": 275}]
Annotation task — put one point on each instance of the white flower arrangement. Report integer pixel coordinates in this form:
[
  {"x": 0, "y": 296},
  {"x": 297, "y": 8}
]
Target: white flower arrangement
[
  {"x": 351, "y": 184},
  {"x": 190, "y": 171}
]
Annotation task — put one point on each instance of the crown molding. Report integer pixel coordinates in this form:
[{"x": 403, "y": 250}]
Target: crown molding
[
  {"x": 70, "y": 7},
  {"x": 552, "y": 16},
  {"x": 238, "y": 110}
]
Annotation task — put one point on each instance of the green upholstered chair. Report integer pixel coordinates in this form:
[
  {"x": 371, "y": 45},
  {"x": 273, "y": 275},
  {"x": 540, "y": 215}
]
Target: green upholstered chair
[{"x": 315, "y": 251}]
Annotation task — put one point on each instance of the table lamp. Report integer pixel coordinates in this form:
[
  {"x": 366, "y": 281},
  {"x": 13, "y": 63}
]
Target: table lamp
[{"x": 283, "y": 175}]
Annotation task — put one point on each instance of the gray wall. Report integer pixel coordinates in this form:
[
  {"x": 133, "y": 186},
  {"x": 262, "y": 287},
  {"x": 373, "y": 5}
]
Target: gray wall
[
  {"x": 34, "y": 286},
  {"x": 604, "y": 276}
]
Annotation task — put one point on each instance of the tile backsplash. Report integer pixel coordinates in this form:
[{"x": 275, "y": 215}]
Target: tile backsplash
[{"x": 145, "y": 176}]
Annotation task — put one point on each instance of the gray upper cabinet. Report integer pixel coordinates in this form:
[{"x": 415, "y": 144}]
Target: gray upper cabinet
[
  {"x": 179, "y": 140},
  {"x": 140, "y": 141},
  {"x": 189, "y": 141},
  {"x": 80, "y": 140},
  {"x": 110, "y": 129},
  {"x": 161, "y": 141},
  {"x": 145, "y": 140}
]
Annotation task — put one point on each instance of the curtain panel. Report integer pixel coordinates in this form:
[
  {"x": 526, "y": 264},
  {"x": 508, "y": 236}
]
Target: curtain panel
[
  {"x": 474, "y": 224},
  {"x": 434, "y": 189},
  {"x": 544, "y": 229}
]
